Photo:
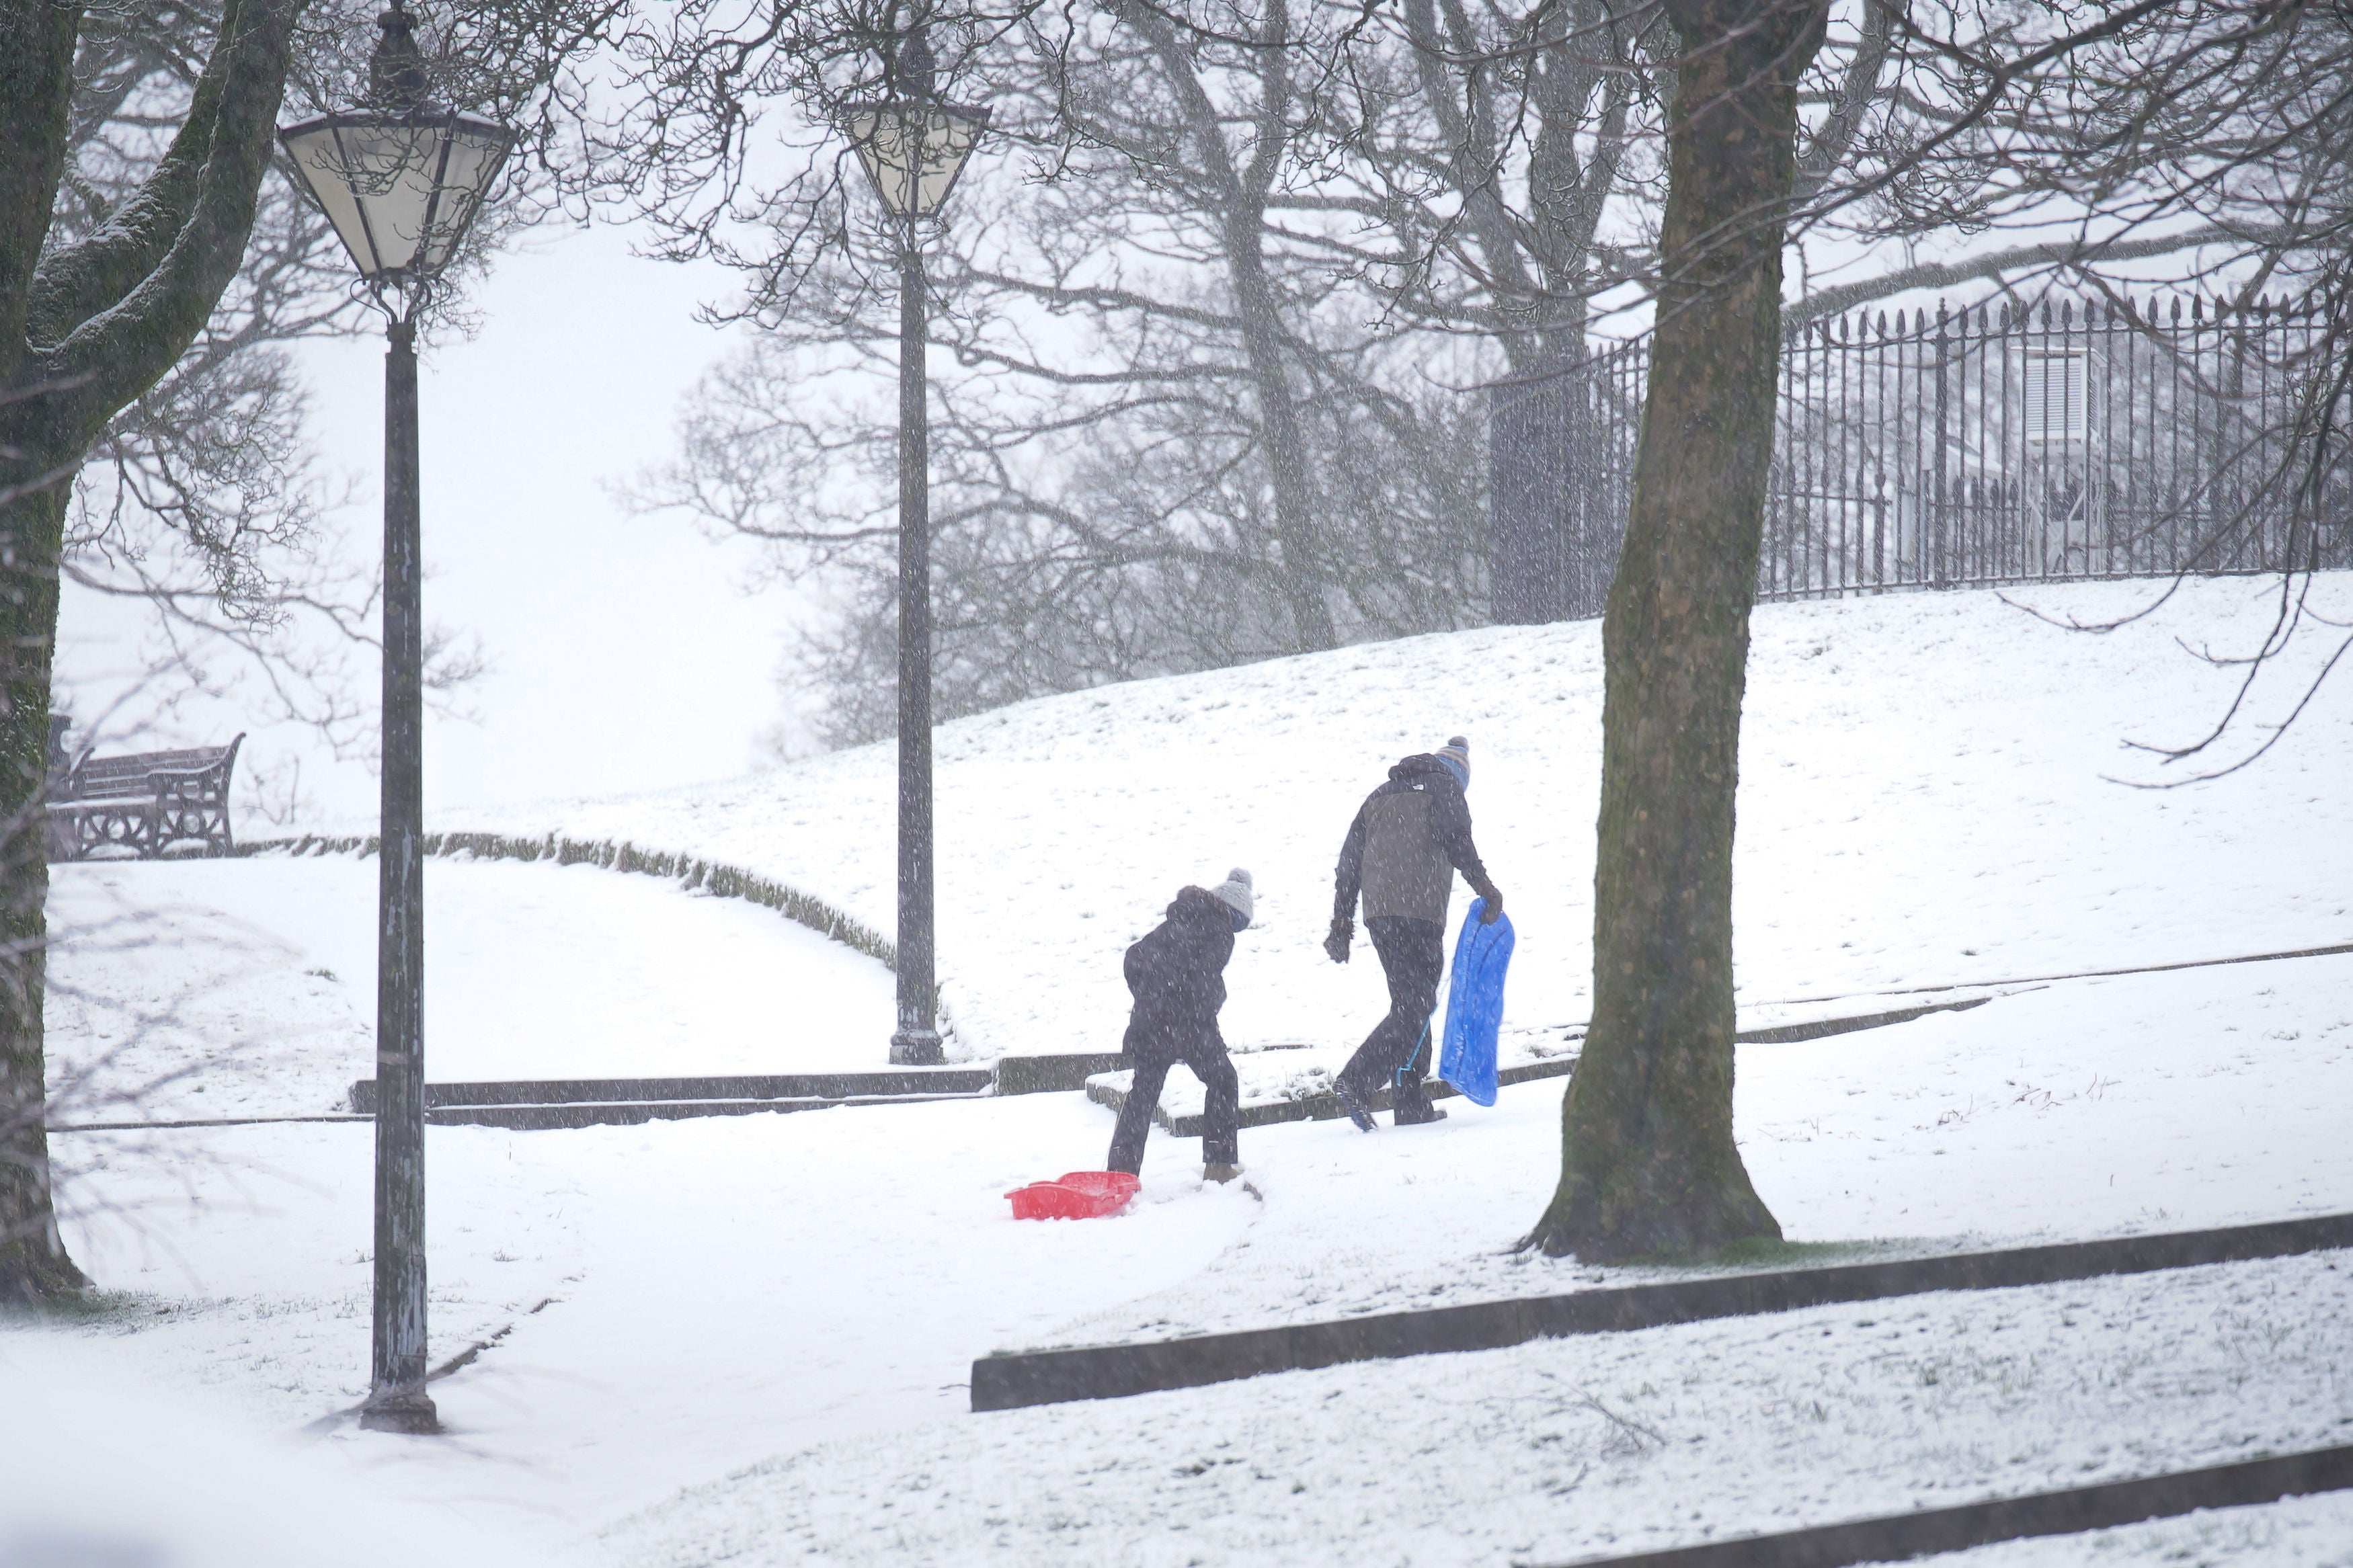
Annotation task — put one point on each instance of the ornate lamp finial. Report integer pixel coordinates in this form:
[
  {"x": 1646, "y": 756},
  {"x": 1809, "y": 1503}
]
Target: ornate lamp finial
[
  {"x": 396, "y": 78},
  {"x": 914, "y": 63}
]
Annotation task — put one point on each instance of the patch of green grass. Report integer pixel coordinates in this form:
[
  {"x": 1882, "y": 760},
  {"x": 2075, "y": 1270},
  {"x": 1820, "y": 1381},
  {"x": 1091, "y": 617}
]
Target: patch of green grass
[{"x": 85, "y": 1307}]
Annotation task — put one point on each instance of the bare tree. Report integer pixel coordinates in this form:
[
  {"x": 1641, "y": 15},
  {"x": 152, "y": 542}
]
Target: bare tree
[
  {"x": 2135, "y": 116},
  {"x": 1648, "y": 1165},
  {"x": 2216, "y": 135},
  {"x": 85, "y": 330},
  {"x": 116, "y": 252},
  {"x": 202, "y": 502},
  {"x": 1181, "y": 431}
]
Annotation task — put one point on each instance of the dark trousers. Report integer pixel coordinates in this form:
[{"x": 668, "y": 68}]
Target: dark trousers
[
  {"x": 1398, "y": 1051},
  {"x": 1221, "y": 1125}
]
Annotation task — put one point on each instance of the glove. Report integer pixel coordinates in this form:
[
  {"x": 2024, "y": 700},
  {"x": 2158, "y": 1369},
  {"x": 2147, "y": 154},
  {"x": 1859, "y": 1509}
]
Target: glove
[
  {"x": 1335, "y": 946},
  {"x": 1494, "y": 897}
]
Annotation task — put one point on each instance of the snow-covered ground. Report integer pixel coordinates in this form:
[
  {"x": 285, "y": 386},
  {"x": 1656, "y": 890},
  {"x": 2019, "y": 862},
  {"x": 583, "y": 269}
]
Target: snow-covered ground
[
  {"x": 1570, "y": 1449},
  {"x": 746, "y": 1339},
  {"x": 98, "y": 1471},
  {"x": 802, "y": 1294},
  {"x": 2100, "y": 1107},
  {"x": 1924, "y": 800},
  {"x": 225, "y": 988}
]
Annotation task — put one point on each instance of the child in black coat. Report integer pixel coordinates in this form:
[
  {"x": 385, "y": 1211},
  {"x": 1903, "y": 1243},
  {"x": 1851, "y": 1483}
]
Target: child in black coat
[{"x": 1177, "y": 976}]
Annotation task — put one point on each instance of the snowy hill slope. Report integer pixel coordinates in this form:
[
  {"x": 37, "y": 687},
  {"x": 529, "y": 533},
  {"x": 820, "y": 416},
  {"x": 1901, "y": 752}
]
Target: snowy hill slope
[
  {"x": 227, "y": 988},
  {"x": 1922, "y": 803},
  {"x": 777, "y": 1312}
]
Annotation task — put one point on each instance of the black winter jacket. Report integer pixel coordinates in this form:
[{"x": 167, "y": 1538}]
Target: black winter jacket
[
  {"x": 1408, "y": 839},
  {"x": 1178, "y": 973}
]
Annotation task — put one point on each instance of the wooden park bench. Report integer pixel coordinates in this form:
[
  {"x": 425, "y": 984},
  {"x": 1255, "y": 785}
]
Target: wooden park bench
[{"x": 146, "y": 803}]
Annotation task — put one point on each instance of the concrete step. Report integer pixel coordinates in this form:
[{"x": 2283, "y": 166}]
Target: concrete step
[
  {"x": 629, "y": 1114},
  {"x": 535, "y": 1104},
  {"x": 1320, "y": 1106},
  {"x": 919, "y": 1081}
]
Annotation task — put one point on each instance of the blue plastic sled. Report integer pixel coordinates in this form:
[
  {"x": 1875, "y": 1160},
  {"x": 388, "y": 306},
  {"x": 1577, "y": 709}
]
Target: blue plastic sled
[{"x": 1474, "y": 1006}]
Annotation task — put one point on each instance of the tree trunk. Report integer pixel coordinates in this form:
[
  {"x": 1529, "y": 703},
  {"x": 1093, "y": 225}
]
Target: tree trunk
[
  {"x": 1242, "y": 193},
  {"x": 1647, "y": 1162},
  {"x": 1303, "y": 577},
  {"x": 33, "y": 1261},
  {"x": 85, "y": 330}
]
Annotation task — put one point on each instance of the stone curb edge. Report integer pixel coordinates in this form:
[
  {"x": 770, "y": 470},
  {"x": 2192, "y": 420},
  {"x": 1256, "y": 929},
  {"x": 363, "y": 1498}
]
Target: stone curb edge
[
  {"x": 1113, "y": 1372},
  {"x": 2103, "y": 1506}
]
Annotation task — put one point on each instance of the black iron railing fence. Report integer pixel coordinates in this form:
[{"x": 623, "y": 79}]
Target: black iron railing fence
[{"x": 1954, "y": 449}]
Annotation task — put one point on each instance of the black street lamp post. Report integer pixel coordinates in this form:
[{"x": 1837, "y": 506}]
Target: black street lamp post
[
  {"x": 401, "y": 179},
  {"x": 912, "y": 147}
]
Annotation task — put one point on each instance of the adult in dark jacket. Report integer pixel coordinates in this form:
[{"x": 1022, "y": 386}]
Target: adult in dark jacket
[
  {"x": 1408, "y": 839},
  {"x": 1178, "y": 976}
]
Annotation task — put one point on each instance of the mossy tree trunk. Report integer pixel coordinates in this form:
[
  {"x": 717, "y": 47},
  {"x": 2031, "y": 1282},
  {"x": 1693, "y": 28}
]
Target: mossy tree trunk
[
  {"x": 33, "y": 1261},
  {"x": 1648, "y": 1163},
  {"x": 85, "y": 330}
]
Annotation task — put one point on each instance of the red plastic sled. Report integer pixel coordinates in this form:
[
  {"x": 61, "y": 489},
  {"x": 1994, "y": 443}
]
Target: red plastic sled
[{"x": 1075, "y": 1195}]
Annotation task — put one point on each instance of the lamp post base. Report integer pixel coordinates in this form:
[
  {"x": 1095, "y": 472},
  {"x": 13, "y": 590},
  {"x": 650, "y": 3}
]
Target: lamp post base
[
  {"x": 916, "y": 1048},
  {"x": 404, "y": 1410}
]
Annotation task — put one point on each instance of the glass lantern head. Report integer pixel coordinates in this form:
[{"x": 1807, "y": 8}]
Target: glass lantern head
[
  {"x": 914, "y": 148},
  {"x": 400, "y": 188},
  {"x": 401, "y": 179}
]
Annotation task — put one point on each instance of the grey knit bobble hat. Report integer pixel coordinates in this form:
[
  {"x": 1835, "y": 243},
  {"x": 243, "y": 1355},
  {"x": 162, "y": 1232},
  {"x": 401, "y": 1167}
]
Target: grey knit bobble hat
[{"x": 1235, "y": 891}]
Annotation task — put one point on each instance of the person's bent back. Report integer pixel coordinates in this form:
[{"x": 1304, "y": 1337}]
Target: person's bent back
[{"x": 1176, "y": 974}]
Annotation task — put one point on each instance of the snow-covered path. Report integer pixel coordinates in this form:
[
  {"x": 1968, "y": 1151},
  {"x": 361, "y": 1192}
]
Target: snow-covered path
[
  {"x": 726, "y": 1293},
  {"x": 713, "y": 1290},
  {"x": 2089, "y": 1108}
]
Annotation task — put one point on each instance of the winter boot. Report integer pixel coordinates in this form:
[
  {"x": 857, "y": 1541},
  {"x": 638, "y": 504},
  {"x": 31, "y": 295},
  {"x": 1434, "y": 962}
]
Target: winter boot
[
  {"x": 1219, "y": 1172},
  {"x": 1357, "y": 1111},
  {"x": 1410, "y": 1116}
]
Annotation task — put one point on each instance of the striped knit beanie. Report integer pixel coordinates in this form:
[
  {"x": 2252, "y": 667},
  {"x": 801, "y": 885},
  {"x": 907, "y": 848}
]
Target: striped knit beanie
[{"x": 1456, "y": 755}]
